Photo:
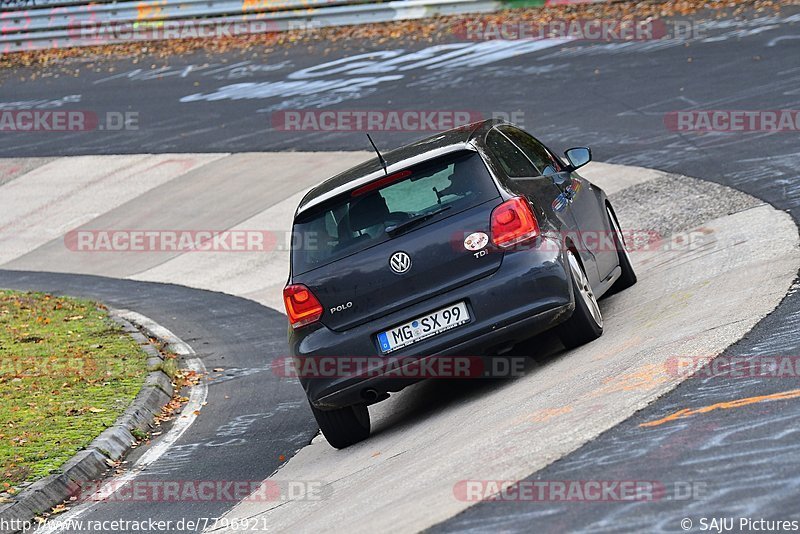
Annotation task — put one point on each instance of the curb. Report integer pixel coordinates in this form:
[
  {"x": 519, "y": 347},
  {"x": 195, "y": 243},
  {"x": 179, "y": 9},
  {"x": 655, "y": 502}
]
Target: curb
[{"x": 114, "y": 442}]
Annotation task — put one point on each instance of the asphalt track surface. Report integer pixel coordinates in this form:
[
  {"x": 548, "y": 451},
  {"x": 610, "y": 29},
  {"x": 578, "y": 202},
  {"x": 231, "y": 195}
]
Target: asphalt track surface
[{"x": 611, "y": 97}]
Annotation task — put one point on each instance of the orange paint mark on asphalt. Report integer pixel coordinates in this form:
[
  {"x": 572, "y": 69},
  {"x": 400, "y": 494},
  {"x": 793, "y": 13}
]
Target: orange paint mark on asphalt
[
  {"x": 688, "y": 412},
  {"x": 545, "y": 414},
  {"x": 613, "y": 351},
  {"x": 644, "y": 378}
]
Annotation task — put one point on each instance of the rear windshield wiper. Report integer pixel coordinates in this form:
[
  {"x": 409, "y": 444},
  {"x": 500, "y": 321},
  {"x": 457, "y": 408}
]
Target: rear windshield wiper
[{"x": 399, "y": 228}]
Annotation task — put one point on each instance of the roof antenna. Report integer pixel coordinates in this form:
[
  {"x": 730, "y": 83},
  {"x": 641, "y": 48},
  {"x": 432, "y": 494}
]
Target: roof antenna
[{"x": 380, "y": 158}]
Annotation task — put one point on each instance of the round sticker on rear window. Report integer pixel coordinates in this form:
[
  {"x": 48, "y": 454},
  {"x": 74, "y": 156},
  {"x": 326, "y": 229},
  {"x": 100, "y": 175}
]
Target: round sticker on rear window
[{"x": 476, "y": 241}]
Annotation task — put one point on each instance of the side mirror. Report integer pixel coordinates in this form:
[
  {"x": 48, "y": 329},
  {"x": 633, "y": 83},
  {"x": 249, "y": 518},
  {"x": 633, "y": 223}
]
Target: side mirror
[{"x": 578, "y": 157}]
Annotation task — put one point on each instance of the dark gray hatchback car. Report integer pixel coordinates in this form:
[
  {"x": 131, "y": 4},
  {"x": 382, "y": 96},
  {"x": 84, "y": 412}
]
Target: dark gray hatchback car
[{"x": 459, "y": 245}]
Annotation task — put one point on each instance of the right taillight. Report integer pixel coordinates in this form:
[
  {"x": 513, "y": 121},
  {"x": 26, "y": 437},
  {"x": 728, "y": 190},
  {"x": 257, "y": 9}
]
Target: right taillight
[
  {"x": 302, "y": 306},
  {"x": 513, "y": 222}
]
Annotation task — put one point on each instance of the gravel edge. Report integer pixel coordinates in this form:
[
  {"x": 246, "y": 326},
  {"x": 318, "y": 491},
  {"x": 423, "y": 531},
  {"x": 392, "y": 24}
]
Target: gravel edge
[{"x": 113, "y": 443}]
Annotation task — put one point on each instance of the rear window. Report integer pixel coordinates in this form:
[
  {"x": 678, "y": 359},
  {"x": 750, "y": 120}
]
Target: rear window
[{"x": 359, "y": 219}]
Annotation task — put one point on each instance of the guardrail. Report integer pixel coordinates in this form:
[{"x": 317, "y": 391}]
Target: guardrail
[{"x": 71, "y": 23}]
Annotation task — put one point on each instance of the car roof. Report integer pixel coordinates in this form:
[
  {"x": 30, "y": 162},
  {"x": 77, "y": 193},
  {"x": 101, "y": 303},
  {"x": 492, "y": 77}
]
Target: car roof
[{"x": 442, "y": 143}]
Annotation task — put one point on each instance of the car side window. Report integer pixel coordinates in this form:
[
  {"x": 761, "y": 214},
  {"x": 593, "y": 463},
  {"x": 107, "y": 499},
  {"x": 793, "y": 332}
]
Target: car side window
[
  {"x": 510, "y": 158},
  {"x": 532, "y": 148}
]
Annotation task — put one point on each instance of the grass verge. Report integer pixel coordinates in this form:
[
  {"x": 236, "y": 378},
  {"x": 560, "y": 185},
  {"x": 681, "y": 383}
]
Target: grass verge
[{"x": 67, "y": 371}]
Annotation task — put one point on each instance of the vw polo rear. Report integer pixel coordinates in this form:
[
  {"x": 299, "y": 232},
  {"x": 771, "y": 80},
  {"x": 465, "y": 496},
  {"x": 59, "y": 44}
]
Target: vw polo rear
[{"x": 432, "y": 257}]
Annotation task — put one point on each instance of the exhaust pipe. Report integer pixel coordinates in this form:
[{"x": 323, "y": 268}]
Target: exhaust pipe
[{"x": 371, "y": 396}]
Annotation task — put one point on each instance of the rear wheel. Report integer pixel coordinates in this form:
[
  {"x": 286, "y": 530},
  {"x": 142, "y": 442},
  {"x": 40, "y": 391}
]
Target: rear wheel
[
  {"x": 628, "y": 276},
  {"x": 343, "y": 427},
  {"x": 586, "y": 323}
]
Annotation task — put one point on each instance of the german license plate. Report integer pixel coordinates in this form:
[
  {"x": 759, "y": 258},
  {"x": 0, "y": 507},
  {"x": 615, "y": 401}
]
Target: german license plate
[{"x": 424, "y": 327}]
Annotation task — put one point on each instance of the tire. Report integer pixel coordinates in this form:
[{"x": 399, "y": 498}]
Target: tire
[
  {"x": 586, "y": 322},
  {"x": 628, "y": 276},
  {"x": 343, "y": 427}
]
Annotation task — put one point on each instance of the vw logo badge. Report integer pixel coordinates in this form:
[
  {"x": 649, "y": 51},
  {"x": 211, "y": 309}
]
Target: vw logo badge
[{"x": 400, "y": 262}]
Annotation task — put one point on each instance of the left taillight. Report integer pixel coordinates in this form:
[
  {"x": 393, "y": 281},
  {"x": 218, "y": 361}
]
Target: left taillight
[{"x": 302, "y": 306}]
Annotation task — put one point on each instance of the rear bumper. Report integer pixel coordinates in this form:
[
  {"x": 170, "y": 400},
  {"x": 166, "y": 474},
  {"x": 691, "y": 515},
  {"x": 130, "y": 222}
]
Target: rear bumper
[{"x": 529, "y": 293}]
